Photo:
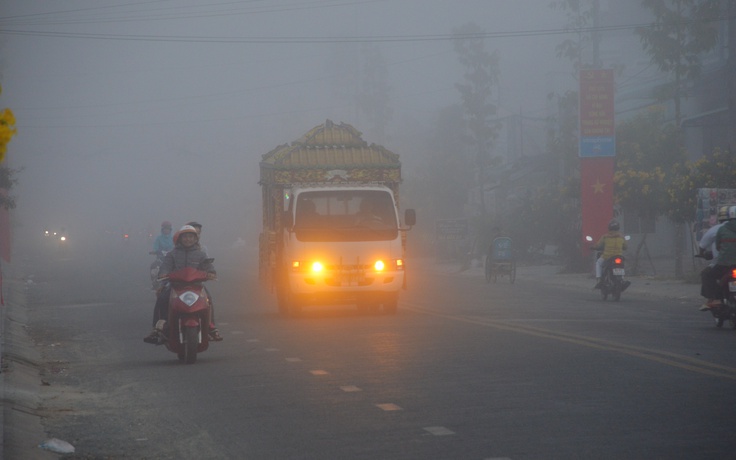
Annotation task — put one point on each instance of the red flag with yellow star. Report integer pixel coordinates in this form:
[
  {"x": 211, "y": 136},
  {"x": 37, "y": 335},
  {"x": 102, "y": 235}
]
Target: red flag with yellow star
[{"x": 596, "y": 195}]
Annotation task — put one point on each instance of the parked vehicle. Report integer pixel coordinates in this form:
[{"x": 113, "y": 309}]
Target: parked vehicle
[
  {"x": 186, "y": 331},
  {"x": 332, "y": 232}
]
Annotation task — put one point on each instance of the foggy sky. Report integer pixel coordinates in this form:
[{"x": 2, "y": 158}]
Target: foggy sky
[{"x": 144, "y": 111}]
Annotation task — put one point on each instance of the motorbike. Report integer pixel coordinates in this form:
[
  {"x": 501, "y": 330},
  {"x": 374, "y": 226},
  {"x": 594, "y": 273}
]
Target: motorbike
[
  {"x": 612, "y": 277},
  {"x": 186, "y": 331},
  {"x": 727, "y": 311},
  {"x": 156, "y": 267}
]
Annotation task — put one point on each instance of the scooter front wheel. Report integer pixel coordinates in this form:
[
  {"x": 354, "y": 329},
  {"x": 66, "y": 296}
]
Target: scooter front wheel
[{"x": 191, "y": 343}]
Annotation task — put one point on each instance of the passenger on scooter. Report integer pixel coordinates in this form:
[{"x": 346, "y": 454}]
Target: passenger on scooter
[
  {"x": 164, "y": 241},
  {"x": 610, "y": 244},
  {"x": 198, "y": 227},
  {"x": 707, "y": 244},
  {"x": 726, "y": 247},
  {"x": 186, "y": 253}
]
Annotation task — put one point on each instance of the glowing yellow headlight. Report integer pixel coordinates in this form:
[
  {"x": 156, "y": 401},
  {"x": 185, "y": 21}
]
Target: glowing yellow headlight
[
  {"x": 379, "y": 266},
  {"x": 317, "y": 267}
]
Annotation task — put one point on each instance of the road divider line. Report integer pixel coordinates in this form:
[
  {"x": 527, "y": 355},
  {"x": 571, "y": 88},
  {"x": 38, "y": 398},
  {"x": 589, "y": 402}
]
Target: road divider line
[{"x": 662, "y": 357}]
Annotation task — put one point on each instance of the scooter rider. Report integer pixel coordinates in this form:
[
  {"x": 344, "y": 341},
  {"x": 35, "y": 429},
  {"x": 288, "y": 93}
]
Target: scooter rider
[
  {"x": 707, "y": 244},
  {"x": 610, "y": 244},
  {"x": 164, "y": 241},
  {"x": 726, "y": 246},
  {"x": 198, "y": 227},
  {"x": 186, "y": 253}
]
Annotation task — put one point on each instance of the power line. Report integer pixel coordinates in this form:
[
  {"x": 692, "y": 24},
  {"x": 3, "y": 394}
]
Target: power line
[{"x": 330, "y": 39}]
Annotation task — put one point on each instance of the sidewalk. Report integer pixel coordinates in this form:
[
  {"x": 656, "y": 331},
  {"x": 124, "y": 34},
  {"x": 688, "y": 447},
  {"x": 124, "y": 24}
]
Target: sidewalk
[
  {"x": 20, "y": 378},
  {"x": 682, "y": 291}
]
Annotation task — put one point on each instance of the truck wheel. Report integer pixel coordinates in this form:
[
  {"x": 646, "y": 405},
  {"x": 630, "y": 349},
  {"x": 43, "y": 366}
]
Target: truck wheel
[
  {"x": 288, "y": 303},
  {"x": 391, "y": 304}
]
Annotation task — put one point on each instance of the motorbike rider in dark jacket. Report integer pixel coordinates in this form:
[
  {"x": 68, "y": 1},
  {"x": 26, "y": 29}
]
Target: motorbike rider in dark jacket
[
  {"x": 726, "y": 245},
  {"x": 186, "y": 253}
]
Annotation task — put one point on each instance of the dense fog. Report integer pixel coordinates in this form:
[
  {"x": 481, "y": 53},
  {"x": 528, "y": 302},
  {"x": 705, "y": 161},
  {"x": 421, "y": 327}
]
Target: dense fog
[{"x": 130, "y": 113}]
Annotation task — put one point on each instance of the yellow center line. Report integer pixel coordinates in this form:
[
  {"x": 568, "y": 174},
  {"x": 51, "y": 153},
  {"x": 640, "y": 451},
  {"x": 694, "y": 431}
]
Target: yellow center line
[{"x": 662, "y": 357}]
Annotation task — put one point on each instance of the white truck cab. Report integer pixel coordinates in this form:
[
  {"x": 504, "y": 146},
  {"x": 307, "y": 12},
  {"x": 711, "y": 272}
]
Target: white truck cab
[{"x": 343, "y": 244}]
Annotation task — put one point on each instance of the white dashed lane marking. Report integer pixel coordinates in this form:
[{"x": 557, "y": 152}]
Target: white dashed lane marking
[
  {"x": 350, "y": 388},
  {"x": 388, "y": 407},
  {"x": 294, "y": 360},
  {"x": 438, "y": 430},
  {"x": 319, "y": 372}
]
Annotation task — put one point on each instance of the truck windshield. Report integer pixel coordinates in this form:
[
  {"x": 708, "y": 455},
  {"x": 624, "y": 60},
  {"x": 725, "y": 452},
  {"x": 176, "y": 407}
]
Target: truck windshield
[{"x": 345, "y": 215}]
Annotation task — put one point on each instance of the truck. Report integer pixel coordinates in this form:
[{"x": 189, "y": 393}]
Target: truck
[{"x": 332, "y": 233}]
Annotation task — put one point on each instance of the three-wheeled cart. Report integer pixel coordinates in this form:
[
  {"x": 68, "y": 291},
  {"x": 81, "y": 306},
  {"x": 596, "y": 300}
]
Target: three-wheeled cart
[{"x": 500, "y": 260}]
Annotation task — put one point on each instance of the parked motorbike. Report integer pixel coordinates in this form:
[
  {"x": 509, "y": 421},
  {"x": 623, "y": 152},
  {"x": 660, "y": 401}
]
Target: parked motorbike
[
  {"x": 727, "y": 311},
  {"x": 155, "y": 268},
  {"x": 612, "y": 277},
  {"x": 186, "y": 331}
]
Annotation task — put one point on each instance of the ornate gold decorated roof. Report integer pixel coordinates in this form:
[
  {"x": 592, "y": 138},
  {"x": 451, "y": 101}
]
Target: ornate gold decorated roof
[{"x": 330, "y": 146}]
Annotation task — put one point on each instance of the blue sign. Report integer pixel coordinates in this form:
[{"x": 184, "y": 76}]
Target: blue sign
[{"x": 591, "y": 147}]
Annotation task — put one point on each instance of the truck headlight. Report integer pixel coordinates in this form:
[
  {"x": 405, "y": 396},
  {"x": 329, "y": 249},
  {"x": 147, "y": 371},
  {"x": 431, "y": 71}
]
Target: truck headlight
[
  {"x": 317, "y": 267},
  {"x": 379, "y": 266}
]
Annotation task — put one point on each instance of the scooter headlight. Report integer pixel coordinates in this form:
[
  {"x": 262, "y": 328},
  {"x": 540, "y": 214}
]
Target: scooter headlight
[{"x": 189, "y": 298}]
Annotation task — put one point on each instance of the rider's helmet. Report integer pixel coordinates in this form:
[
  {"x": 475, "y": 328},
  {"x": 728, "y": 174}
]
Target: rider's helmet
[
  {"x": 183, "y": 230},
  {"x": 723, "y": 214},
  {"x": 613, "y": 225},
  {"x": 731, "y": 213},
  {"x": 197, "y": 226},
  {"x": 165, "y": 224}
]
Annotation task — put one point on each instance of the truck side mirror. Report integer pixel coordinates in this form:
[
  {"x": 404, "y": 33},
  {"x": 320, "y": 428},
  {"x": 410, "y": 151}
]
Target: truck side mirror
[
  {"x": 288, "y": 220},
  {"x": 410, "y": 217}
]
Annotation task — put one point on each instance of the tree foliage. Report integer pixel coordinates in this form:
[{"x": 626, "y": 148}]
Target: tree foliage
[
  {"x": 7, "y": 175},
  {"x": 717, "y": 170},
  {"x": 645, "y": 149},
  {"x": 681, "y": 32},
  {"x": 580, "y": 15},
  {"x": 374, "y": 93},
  {"x": 480, "y": 79},
  {"x": 7, "y": 130}
]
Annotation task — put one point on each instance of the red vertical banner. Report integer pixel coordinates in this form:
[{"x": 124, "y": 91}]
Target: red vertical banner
[
  {"x": 597, "y": 151},
  {"x": 596, "y": 196}
]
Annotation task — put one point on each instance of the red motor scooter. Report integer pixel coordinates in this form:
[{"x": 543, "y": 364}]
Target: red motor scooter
[{"x": 186, "y": 332}]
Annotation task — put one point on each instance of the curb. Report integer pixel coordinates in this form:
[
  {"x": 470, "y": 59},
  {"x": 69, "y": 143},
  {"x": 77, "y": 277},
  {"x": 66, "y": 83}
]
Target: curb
[{"x": 21, "y": 382}]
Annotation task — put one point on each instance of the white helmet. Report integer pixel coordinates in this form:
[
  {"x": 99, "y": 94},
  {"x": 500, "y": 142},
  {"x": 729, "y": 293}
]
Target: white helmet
[{"x": 731, "y": 213}]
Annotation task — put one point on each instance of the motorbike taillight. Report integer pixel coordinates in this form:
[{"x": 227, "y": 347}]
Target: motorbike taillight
[
  {"x": 617, "y": 260},
  {"x": 733, "y": 273}
]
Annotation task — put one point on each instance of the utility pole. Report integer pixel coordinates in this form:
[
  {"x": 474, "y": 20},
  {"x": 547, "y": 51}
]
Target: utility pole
[
  {"x": 596, "y": 34},
  {"x": 731, "y": 76}
]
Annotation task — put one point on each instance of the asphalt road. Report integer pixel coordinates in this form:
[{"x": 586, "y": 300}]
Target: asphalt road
[{"x": 541, "y": 369}]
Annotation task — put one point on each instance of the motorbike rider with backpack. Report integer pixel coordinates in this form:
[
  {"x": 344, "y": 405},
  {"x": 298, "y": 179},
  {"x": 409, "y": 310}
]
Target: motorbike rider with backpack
[
  {"x": 164, "y": 241},
  {"x": 726, "y": 247},
  {"x": 610, "y": 244},
  {"x": 186, "y": 253},
  {"x": 161, "y": 245},
  {"x": 707, "y": 250}
]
